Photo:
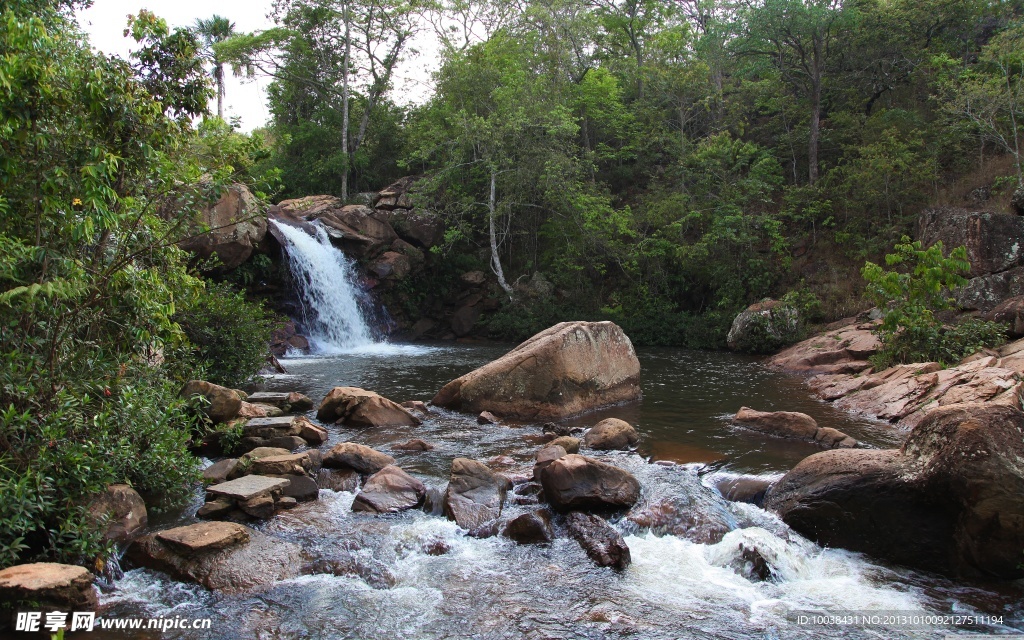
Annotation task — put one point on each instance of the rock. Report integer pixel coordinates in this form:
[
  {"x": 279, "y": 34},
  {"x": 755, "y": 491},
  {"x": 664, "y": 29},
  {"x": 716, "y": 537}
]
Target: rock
[
  {"x": 577, "y": 482},
  {"x": 744, "y": 489},
  {"x": 569, "y": 443},
  {"x": 262, "y": 452},
  {"x": 355, "y": 229},
  {"x": 286, "y": 401},
  {"x": 475, "y": 495},
  {"x": 486, "y": 417},
  {"x": 1017, "y": 201},
  {"x": 464, "y": 319},
  {"x": 282, "y": 340},
  {"x": 566, "y": 370},
  {"x": 338, "y": 479},
  {"x": 291, "y": 464},
  {"x": 547, "y": 454},
  {"x": 360, "y": 408},
  {"x": 1010, "y": 312},
  {"x": 418, "y": 406},
  {"x": 388, "y": 491},
  {"x": 763, "y": 327},
  {"x": 530, "y": 528},
  {"x": 217, "y": 509},
  {"x": 287, "y": 502},
  {"x": 263, "y": 560},
  {"x": 994, "y": 241},
  {"x": 391, "y": 265},
  {"x": 474, "y": 278},
  {"x": 839, "y": 351},
  {"x": 249, "y": 410},
  {"x": 602, "y": 543},
  {"x": 262, "y": 507},
  {"x": 694, "y": 513},
  {"x": 301, "y": 489},
  {"x": 501, "y": 461},
  {"x": 222, "y": 404},
  {"x": 49, "y": 585},
  {"x": 985, "y": 292},
  {"x": 611, "y": 433},
  {"x": 420, "y": 228},
  {"x": 313, "y": 434},
  {"x": 950, "y": 500},
  {"x": 248, "y": 488},
  {"x": 557, "y": 429},
  {"x": 121, "y": 512},
  {"x": 204, "y": 537},
  {"x": 359, "y": 457},
  {"x": 414, "y": 445},
  {"x": 790, "y": 424},
  {"x": 231, "y": 229}
]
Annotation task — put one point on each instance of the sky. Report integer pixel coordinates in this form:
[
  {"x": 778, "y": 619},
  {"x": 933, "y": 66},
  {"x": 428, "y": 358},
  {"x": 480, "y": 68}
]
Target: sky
[{"x": 105, "y": 21}]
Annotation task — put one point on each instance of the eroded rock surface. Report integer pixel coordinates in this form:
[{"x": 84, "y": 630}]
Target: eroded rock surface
[{"x": 361, "y": 408}]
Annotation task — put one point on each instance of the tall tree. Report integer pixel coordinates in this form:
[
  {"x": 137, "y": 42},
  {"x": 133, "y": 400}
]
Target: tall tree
[{"x": 213, "y": 30}]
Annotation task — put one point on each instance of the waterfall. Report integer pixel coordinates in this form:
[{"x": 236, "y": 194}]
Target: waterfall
[{"x": 328, "y": 293}]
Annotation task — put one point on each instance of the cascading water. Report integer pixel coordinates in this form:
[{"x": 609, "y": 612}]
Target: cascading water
[{"x": 330, "y": 297}]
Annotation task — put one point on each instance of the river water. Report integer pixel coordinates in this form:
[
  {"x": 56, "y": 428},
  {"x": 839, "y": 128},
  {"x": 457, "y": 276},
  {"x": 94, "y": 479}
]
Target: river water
[{"x": 416, "y": 575}]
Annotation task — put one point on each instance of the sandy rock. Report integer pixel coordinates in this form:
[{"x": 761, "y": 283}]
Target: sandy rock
[
  {"x": 204, "y": 537},
  {"x": 571, "y": 368},
  {"x": 475, "y": 495},
  {"x": 388, "y": 491},
  {"x": 610, "y": 434},
  {"x": 222, "y": 404},
  {"x": 577, "y": 482},
  {"x": 363, "y": 459},
  {"x": 602, "y": 543},
  {"x": 357, "y": 407},
  {"x": 49, "y": 585},
  {"x": 569, "y": 443}
]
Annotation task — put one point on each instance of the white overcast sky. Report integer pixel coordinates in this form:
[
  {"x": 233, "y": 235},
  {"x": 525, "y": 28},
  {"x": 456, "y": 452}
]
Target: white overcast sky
[{"x": 105, "y": 21}]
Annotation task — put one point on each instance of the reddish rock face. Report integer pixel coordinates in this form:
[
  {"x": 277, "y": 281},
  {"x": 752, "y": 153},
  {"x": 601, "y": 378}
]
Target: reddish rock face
[
  {"x": 574, "y": 482},
  {"x": 950, "y": 500},
  {"x": 569, "y": 369},
  {"x": 840, "y": 351},
  {"x": 361, "y": 408},
  {"x": 389, "y": 490}
]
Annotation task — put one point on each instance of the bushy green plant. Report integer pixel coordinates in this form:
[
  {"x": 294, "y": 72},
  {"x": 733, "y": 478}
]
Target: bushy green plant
[{"x": 909, "y": 295}]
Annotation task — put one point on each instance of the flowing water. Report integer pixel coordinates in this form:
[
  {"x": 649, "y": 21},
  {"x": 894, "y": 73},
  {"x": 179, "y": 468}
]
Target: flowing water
[{"x": 416, "y": 575}]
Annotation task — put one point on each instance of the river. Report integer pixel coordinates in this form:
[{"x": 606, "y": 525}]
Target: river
[{"x": 416, "y": 575}]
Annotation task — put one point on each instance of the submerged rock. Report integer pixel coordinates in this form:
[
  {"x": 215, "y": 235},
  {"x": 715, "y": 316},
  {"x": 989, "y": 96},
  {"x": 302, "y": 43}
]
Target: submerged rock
[
  {"x": 602, "y": 543},
  {"x": 576, "y": 482},
  {"x": 414, "y": 445},
  {"x": 950, "y": 500},
  {"x": 49, "y": 585},
  {"x": 360, "y": 408},
  {"x": 475, "y": 495},
  {"x": 791, "y": 424},
  {"x": 610, "y": 434},
  {"x": 569, "y": 369},
  {"x": 390, "y": 490},
  {"x": 338, "y": 479},
  {"x": 363, "y": 459}
]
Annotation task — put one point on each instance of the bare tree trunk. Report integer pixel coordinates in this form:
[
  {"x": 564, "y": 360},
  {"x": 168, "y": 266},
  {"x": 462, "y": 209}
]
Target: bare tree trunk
[
  {"x": 495, "y": 259},
  {"x": 344, "y": 105},
  {"x": 812, "y": 146},
  {"x": 220, "y": 91}
]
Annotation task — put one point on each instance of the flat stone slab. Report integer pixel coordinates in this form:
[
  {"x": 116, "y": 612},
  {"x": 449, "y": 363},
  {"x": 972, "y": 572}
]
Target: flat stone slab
[
  {"x": 42, "y": 576},
  {"x": 269, "y": 427},
  {"x": 248, "y": 487},
  {"x": 205, "y": 536},
  {"x": 270, "y": 397}
]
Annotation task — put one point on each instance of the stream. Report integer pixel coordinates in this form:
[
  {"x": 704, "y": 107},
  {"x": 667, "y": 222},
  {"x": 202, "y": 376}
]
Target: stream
[{"x": 416, "y": 575}]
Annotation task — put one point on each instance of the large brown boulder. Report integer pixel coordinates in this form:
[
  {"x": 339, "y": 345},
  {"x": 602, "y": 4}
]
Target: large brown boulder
[
  {"x": 389, "y": 490},
  {"x": 791, "y": 424},
  {"x": 574, "y": 482},
  {"x": 120, "y": 511},
  {"x": 222, "y": 404},
  {"x": 950, "y": 500},
  {"x": 49, "y": 585},
  {"x": 475, "y": 495},
  {"x": 571, "y": 368},
  {"x": 610, "y": 433},
  {"x": 357, "y": 407},
  {"x": 363, "y": 459},
  {"x": 232, "y": 228}
]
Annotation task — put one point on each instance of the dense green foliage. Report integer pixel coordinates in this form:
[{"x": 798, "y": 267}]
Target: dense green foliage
[
  {"x": 91, "y": 283},
  {"x": 662, "y": 164},
  {"x": 909, "y": 295}
]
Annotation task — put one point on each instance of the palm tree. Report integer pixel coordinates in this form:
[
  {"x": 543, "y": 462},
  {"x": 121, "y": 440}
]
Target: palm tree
[{"x": 213, "y": 30}]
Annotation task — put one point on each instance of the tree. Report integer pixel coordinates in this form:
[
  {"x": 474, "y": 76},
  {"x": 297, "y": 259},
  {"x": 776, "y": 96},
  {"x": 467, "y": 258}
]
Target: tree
[{"x": 213, "y": 30}]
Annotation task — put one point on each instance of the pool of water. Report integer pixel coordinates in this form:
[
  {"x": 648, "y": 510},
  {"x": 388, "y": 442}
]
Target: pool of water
[{"x": 680, "y": 585}]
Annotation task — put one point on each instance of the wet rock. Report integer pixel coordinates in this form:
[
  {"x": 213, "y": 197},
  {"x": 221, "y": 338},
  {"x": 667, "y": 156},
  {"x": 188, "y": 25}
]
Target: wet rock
[
  {"x": 283, "y": 400},
  {"x": 763, "y": 327},
  {"x": 313, "y": 434},
  {"x": 545, "y": 457},
  {"x": 569, "y": 443},
  {"x": 248, "y": 488},
  {"x": 501, "y": 461},
  {"x": 791, "y": 424},
  {"x": 363, "y": 459},
  {"x": 287, "y": 502},
  {"x": 568, "y": 369},
  {"x": 950, "y": 500},
  {"x": 433, "y": 502},
  {"x": 417, "y": 406},
  {"x": 372, "y": 572},
  {"x": 753, "y": 565},
  {"x": 388, "y": 491},
  {"x": 203, "y": 537},
  {"x": 576, "y": 482},
  {"x": 611, "y": 433},
  {"x": 693, "y": 517},
  {"x": 353, "y": 228},
  {"x": 120, "y": 511},
  {"x": 1010, "y": 312},
  {"x": 261, "y": 561},
  {"x": 414, "y": 445},
  {"x": 530, "y": 528},
  {"x": 357, "y": 407},
  {"x": 474, "y": 495},
  {"x": 744, "y": 489},
  {"x": 221, "y": 404},
  {"x": 261, "y": 507},
  {"x": 602, "y": 543},
  {"x": 557, "y": 430},
  {"x": 216, "y": 509},
  {"x": 486, "y": 417},
  {"x": 285, "y": 432},
  {"x": 232, "y": 228},
  {"x": 291, "y": 464},
  {"x": 49, "y": 585},
  {"x": 300, "y": 489},
  {"x": 338, "y": 479},
  {"x": 840, "y": 351},
  {"x": 488, "y": 530}
]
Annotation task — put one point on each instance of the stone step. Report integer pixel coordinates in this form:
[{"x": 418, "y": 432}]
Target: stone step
[
  {"x": 248, "y": 487},
  {"x": 205, "y": 536},
  {"x": 272, "y": 427}
]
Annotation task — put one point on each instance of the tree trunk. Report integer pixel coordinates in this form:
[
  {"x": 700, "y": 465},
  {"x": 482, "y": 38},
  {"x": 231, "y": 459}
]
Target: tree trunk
[
  {"x": 495, "y": 259},
  {"x": 344, "y": 105},
  {"x": 812, "y": 146},
  {"x": 220, "y": 91}
]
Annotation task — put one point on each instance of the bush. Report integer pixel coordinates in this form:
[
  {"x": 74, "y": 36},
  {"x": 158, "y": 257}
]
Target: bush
[{"x": 909, "y": 299}]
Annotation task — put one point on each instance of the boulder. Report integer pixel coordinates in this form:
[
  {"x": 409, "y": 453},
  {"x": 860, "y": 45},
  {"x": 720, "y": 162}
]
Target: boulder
[
  {"x": 413, "y": 445},
  {"x": 203, "y": 537},
  {"x": 338, "y": 479},
  {"x": 611, "y": 433},
  {"x": 250, "y": 410},
  {"x": 49, "y": 585},
  {"x": 290, "y": 464},
  {"x": 362, "y": 459},
  {"x": 222, "y": 404},
  {"x": 475, "y": 495},
  {"x": 547, "y": 454},
  {"x": 464, "y": 319},
  {"x": 1010, "y": 312},
  {"x": 120, "y": 511},
  {"x": 300, "y": 489},
  {"x": 486, "y": 417},
  {"x": 284, "y": 400},
  {"x": 844, "y": 350},
  {"x": 418, "y": 406},
  {"x": 420, "y": 228},
  {"x": 391, "y": 265},
  {"x": 749, "y": 489},
  {"x": 237, "y": 565},
  {"x": 602, "y": 543},
  {"x": 950, "y": 500},
  {"x": 355, "y": 229},
  {"x": 232, "y": 228},
  {"x": 994, "y": 241},
  {"x": 221, "y": 471},
  {"x": 566, "y": 370},
  {"x": 763, "y": 327},
  {"x": 569, "y": 443},
  {"x": 357, "y": 407},
  {"x": 390, "y": 490},
  {"x": 530, "y": 528},
  {"x": 575, "y": 482},
  {"x": 985, "y": 292},
  {"x": 791, "y": 424}
]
